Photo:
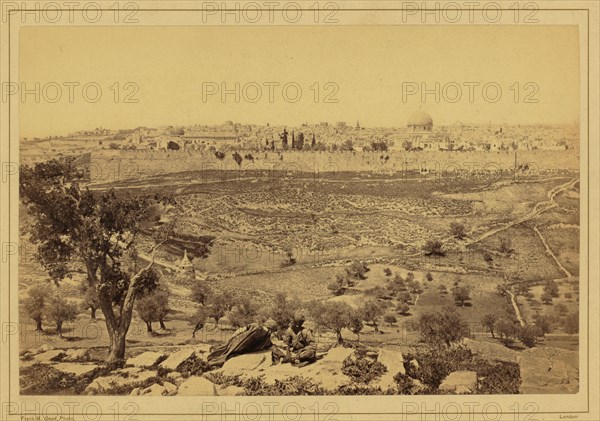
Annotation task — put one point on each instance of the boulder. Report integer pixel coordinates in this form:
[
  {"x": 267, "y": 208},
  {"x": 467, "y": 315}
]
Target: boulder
[
  {"x": 77, "y": 355},
  {"x": 176, "y": 359},
  {"x": 549, "y": 370},
  {"x": 154, "y": 390},
  {"x": 106, "y": 383},
  {"x": 394, "y": 362},
  {"x": 43, "y": 348},
  {"x": 230, "y": 391},
  {"x": 203, "y": 349},
  {"x": 460, "y": 382},
  {"x": 327, "y": 371},
  {"x": 197, "y": 386},
  {"x": 146, "y": 359},
  {"x": 173, "y": 376},
  {"x": 170, "y": 388},
  {"x": 135, "y": 391},
  {"x": 75, "y": 368},
  {"x": 48, "y": 356},
  {"x": 246, "y": 363}
]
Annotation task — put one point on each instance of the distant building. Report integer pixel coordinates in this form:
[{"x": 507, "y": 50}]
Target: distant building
[{"x": 420, "y": 121}]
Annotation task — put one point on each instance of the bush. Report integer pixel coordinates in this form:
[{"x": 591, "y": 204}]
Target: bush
[
  {"x": 387, "y": 272},
  {"x": 42, "y": 379},
  {"x": 357, "y": 270},
  {"x": 429, "y": 277},
  {"x": 551, "y": 288},
  {"x": 546, "y": 298},
  {"x": 244, "y": 312},
  {"x": 458, "y": 230},
  {"x": 571, "y": 325},
  {"x": 390, "y": 319},
  {"x": 434, "y": 248},
  {"x": 362, "y": 370},
  {"x": 528, "y": 335}
]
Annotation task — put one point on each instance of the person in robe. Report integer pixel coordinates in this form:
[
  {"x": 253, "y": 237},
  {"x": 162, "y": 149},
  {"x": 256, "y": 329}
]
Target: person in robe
[
  {"x": 252, "y": 338},
  {"x": 300, "y": 347}
]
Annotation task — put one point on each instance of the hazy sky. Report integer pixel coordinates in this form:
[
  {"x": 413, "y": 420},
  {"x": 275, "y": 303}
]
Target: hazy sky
[{"x": 368, "y": 65}]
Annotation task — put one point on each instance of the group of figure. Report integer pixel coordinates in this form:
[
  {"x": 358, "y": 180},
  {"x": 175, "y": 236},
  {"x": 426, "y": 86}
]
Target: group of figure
[{"x": 297, "y": 345}]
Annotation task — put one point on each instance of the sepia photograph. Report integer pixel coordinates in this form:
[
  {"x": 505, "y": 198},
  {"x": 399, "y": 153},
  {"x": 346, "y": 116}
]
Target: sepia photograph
[{"x": 230, "y": 203}]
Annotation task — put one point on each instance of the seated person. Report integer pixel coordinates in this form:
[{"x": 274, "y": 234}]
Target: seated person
[
  {"x": 252, "y": 338},
  {"x": 300, "y": 347}
]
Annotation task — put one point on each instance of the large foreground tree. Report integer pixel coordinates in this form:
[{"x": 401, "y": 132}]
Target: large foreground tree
[{"x": 74, "y": 227}]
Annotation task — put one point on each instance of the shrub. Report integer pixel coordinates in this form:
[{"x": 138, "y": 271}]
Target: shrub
[
  {"x": 498, "y": 377},
  {"x": 244, "y": 312},
  {"x": 357, "y": 270},
  {"x": 458, "y": 230},
  {"x": 434, "y": 248},
  {"x": 42, "y": 379},
  {"x": 387, "y": 272},
  {"x": 528, "y": 335},
  {"x": 571, "y": 325},
  {"x": 361, "y": 369},
  {"x": 546, "y": 298},
  {"x": 551, "y": 288},
  {"x": 429, "y": 277},
  {"x": 390, "y": 319}
]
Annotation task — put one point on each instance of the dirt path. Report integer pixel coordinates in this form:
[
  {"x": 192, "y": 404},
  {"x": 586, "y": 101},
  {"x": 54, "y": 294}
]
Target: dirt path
[
  {"x": 566, "y": 272},
  {"x": 537, "y": 209},
  {"x": 513, "y": 300}
]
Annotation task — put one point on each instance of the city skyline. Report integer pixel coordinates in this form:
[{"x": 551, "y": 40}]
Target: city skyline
[{"x": 178, "y": 68}]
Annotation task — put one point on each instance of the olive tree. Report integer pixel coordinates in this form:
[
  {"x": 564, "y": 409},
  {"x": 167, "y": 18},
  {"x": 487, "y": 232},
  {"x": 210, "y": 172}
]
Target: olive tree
[{"x": 99, "y": 231}]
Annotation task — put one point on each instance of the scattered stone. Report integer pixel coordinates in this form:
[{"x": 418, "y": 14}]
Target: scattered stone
[
  {"x": 154, "y": 390},
  {"x": 48, "y": 356},
  {"x": 146, "y": 359},
  {"x": 170, "y": 389},
  {"x": 106, "y": 383},
  {"x": 173, "y": 375},
  {"x": 245, "y": 363},
  {"x": 178, "y": 358},
  {"x": 203, "y": 349},
  {"x": 414, "y": 363},
  {"x": 197, "y": 386},
  {"x": 43, "y": 348},
  {"x": 74, "y": 368},
  {"x": 135, "y": 391},
  {"x": 460, "y": 382},
  {"x": 230, "y": 391},
  {"x": 77, "y": 355}
]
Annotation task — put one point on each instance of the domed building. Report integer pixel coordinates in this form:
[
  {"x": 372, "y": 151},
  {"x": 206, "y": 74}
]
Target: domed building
[{"x": 420, "y": 121}]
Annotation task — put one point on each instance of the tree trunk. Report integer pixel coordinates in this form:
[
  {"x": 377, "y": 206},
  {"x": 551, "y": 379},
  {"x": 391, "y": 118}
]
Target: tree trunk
[
  {"x": 117, "y": 346},
  {"x": 38, "y": 325},
  {"x": 162, "y": 324},
  {"x": 339, "y": 337},
  {"x": 492, "y": 331},
  {"x": 93, "y": 313},
  {"x": 149, "y": 327},
  {"x": 59, "y": 329}
]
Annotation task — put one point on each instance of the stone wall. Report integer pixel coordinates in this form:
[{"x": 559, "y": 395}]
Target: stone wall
[{"x": 115, "y": 165}]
